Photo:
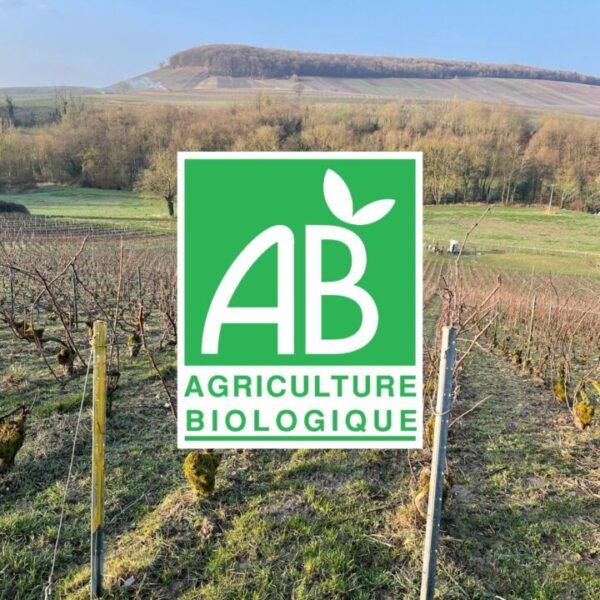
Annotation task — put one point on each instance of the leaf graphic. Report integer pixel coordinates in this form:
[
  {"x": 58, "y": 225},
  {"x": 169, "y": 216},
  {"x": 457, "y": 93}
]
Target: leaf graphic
[
  {"x": 339, "y": 200},
  {"x": 372, "y": 212},
  {"x": 338, "y": 196}
]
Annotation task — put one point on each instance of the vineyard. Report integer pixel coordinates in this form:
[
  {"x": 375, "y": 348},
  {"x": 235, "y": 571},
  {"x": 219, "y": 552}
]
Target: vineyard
[
  {"x": 34, "y": 228},
  {"x": 547, "y": 327},
  {"x": 521, "y": 515}
]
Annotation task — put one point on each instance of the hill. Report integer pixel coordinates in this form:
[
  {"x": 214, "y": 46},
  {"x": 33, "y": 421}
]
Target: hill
[
  {"x": 249, "y": 61},
  {"x": 220, "y": 73},
  {"x": 186, "y": 87}
]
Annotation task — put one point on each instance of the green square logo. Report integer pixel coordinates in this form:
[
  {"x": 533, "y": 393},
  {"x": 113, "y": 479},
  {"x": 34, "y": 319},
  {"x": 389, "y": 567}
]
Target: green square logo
[{"x": 300, "y": 300}]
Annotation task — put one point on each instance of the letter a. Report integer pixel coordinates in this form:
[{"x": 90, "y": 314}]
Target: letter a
[{"x": 282, "y": 315}]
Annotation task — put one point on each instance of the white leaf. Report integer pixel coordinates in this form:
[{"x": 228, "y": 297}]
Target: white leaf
[
  {"x": 338, "y": 196},
  {"x": 372, "y": 212}
]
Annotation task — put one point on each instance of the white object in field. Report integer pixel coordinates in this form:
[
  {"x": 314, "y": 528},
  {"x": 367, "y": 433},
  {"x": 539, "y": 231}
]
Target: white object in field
[{"x": 453, "y": 249}]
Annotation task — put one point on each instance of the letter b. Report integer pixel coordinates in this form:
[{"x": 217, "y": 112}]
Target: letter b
[{"x": 316, "y": 288}]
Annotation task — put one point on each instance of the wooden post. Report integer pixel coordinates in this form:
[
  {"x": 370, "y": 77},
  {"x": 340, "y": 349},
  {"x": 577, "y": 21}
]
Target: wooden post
[
  {"x": 438, "y": 462},
  {"x": 12, "y": 294},
  {"x": 139, "y": 283},
  {"x": 99, "y": 418},
  {"x": 531, "y": 322},
  {"x": 75, "y": 319}
]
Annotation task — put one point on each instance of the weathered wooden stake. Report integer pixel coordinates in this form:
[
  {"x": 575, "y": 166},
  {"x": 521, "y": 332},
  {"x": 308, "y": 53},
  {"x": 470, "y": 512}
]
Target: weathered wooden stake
[
  {"x": 438, "y": 462},
  {"x": 139, "y": 283},
  {"x": 12, "y": 294},
  {"x": 531, "y": 322},
  {"x": 75, "y": 319},
  {"x": 99, "y": 419}
]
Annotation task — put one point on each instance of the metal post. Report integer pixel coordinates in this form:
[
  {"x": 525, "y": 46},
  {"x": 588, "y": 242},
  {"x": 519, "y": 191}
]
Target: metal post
[
  {"x": 438, "y": 461},
  {"x": 99, "y": 418}
]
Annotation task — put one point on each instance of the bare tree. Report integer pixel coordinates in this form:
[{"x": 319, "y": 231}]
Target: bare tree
[{"x": 160, "y": 178}]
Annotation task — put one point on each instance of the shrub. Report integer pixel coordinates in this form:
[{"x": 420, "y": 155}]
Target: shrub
[{"x": 12, "y": 207}]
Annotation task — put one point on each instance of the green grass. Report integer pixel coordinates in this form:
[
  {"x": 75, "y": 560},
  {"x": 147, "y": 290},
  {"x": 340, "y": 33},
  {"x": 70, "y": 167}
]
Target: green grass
[
  {"x": 513, "y": 237},
  {"x": 304, "y": 524},
  {"x": 106, "y": 207},
  {"x": 522, "y": 238},
  {"x": 529, "y": 227},
  {"x": 281, "y": 524},
  {"x": 519, "y": 524}
]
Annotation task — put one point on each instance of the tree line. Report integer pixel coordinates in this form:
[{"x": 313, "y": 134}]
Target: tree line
[
  {"x": 472, "y": 152},
  {"x": 249, "y": 61}
]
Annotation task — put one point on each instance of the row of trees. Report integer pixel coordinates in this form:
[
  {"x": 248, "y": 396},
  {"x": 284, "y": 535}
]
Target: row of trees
[
  {"x": 473, "y": 152},
  {"x": 250, "y": 61},
  {"x": 14, "y": 114}
]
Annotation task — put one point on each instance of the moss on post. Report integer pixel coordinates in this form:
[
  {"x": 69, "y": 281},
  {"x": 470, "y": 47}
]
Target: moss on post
[
  {"x": 200, "y": 468},
  {"x": 583, "y": 410},
  {"x": 12, "y": 435}
]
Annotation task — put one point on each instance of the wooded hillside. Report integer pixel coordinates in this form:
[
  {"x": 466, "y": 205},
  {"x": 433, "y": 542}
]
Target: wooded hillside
[
  {"x": 472, "y": 151},
  {"x": 249, "y": 61}
]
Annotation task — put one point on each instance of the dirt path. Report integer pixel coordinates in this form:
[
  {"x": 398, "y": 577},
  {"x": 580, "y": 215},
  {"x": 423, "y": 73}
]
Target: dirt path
[{"x": 523, "y": 519}]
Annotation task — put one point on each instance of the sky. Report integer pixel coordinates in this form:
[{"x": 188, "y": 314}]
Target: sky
[{"x": 99, "y": 42}]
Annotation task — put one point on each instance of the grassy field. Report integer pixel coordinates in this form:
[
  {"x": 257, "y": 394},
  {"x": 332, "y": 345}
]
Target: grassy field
[
  {"x": 522, "y": 520},
  {"x": 523, "y": 238},
  {"x": 512, "y": 237},
  {"x": 105, "y": 207},
  {"x": 181, "y": 87},
  {"x": 515, "y": 226}
]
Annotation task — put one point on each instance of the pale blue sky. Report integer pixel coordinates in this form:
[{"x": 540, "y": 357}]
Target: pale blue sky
[{"x": 98, "y": 42}]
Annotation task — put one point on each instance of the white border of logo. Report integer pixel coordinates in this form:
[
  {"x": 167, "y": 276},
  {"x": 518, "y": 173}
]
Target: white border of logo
[{"x": 279, "y": 444}]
